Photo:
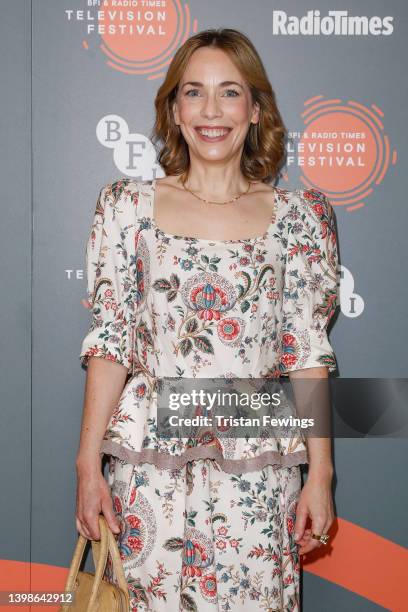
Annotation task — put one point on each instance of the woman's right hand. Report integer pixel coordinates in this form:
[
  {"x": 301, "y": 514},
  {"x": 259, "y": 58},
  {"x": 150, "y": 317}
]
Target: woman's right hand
[{"x": 93, "y": 498}]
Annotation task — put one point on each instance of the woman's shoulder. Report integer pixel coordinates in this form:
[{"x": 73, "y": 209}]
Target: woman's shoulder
[
  {"x": 302, "y": 203},
  {"x": 122, "y": 194},
  {"x": 124, "y": 184}
]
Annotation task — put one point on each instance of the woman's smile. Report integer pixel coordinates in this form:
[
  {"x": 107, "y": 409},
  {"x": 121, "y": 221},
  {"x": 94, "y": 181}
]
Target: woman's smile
[{"x": 212, "y": 135}]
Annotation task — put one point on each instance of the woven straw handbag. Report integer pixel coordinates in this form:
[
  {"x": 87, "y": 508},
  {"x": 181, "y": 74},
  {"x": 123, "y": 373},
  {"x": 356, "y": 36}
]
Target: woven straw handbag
[{"x": 92, "y": 592}]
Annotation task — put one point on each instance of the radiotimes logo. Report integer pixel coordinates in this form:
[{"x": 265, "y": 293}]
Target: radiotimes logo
[
  {"x": 136, "y": 36},
  {"x": 343, "y": 150},
  {"x": 335, "y": 23}
]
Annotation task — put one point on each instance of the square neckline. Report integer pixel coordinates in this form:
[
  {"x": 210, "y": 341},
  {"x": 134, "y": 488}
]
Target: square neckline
[{"x": 209, "y": 240}]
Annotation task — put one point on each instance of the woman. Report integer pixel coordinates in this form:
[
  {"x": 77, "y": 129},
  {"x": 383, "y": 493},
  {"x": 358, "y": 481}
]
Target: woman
[{"x": 207, "y": 272}]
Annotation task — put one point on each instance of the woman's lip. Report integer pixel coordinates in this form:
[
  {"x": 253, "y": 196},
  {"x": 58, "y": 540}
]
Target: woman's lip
[
  {"x": 203, "y": 127},
  {"x": 209, "y": 139}
]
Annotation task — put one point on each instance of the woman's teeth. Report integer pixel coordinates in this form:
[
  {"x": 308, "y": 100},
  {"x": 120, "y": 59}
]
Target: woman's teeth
[{"x": 212, "y": 133}]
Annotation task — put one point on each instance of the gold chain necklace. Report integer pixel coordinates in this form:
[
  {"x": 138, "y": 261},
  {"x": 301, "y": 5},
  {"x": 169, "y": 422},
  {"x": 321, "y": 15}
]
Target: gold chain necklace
[{"x": 211, "y": 201}]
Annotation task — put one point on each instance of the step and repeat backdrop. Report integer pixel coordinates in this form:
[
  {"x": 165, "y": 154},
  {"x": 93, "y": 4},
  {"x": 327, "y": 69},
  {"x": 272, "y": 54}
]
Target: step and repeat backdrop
[{"x": 78, "y": 88}]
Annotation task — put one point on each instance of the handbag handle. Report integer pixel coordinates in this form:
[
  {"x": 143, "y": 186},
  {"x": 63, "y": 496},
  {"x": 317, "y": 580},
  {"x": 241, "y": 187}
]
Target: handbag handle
[
  {"x": 115, "y": 556},
  {"x": 100, "y": 554}
]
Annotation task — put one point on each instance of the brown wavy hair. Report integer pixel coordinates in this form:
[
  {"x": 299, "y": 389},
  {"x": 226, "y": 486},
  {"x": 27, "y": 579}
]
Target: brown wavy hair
[{"x": 264, "y": 147}]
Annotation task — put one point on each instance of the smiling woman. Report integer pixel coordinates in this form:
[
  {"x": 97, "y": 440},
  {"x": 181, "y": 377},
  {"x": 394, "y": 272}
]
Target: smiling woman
[
  {"x": 206, "y": 522},
  {"x": 232, "y": 91}
]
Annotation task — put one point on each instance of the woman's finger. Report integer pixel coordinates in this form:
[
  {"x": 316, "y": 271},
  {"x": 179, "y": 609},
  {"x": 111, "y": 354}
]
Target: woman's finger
[
  {"x": 300, "y": 522},
  {"x": 92, "y": 524},
  {"x": 109, "y": 514},
  {"x": 82, "y": 529},
  {"x": 307, "y": 544},
  {"x": 318, "y": 524}
]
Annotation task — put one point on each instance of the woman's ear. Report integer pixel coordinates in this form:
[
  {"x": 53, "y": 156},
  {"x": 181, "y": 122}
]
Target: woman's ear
[{"x": 256, "y": 113}]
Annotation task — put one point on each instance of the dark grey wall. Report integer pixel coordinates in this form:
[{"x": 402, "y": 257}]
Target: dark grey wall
[{"x": 16, "y": 281}]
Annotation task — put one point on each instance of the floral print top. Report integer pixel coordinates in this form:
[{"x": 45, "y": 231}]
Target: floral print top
[{"x": 175, "y": 306}]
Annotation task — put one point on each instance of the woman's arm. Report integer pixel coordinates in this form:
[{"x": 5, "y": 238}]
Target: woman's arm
[
  {"x": 319, "y": 449},
  {"x": 105, "y": 380},
  {"x": 315, "y": 500},
  {"x": 104, "y": 384}
]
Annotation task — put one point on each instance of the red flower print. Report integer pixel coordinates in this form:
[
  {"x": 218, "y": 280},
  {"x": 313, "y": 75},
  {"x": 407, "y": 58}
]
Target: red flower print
[
  {"x": 288, "y": 360},
  {"x": 290, "y": 524},
  {"x": 191, "y": 570},
  {"x": 288, "y": 340},
  {"x": 208, "y": 585},
  {"x": 141, "y": 390},
  {"x": 222, "y": 531},
  {"x": 207, "y": 300},
  {"x": 132, "y": 496},
  {"x": 318, "y": 209},
  {"x": 200, "y": 548},
  {"x": 289, "y": 344},
  {"x": 243, "y": 261},
  {"x": 234, "y": 543},
  {"x": 316, "y": 256},
  {"x": 324, "y": 226},
  {"x": 133, "y": 521},
  {"x": 294, "y": 250},
  {"x": 228, "y": 329},
  {"x": 208, "y": 314},
  {"x": 193, "y": 555},
  {"x": 135, "y": 543},
  {"x": 221, "y": 544},
  {"x": 117, "y": 504},
  {"x": 257, "y": 551}
]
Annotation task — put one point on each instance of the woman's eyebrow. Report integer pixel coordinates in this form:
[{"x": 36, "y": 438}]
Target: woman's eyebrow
[{"x": 223, "y": 84}]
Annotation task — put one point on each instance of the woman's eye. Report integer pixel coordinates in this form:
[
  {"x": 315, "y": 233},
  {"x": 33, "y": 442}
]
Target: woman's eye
[{"x": 227, "y": 91}]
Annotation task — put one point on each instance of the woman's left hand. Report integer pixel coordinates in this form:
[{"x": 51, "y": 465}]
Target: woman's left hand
[{"x": 315, "y": 501}]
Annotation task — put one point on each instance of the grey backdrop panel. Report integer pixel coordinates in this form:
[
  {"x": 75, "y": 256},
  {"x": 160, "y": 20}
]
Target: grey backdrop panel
[{"x": 15, "y": 266}]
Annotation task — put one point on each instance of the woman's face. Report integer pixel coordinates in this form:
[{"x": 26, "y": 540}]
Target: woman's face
[{"x": 213, "y": 94}]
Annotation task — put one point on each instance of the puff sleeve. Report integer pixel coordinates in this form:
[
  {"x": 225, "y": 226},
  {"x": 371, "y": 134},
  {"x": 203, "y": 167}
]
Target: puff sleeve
[
  {"x": 310, "y": 287},
  {"x": 110, "y": 333}
]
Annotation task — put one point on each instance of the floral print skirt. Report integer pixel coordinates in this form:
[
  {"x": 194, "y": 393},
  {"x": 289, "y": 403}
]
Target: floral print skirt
[{"x": 198, "y": 538}]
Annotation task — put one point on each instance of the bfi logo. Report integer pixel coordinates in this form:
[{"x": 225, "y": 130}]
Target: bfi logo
[
  {"x": 133, "y": 153},
  {"x": 351, "y": 303}
]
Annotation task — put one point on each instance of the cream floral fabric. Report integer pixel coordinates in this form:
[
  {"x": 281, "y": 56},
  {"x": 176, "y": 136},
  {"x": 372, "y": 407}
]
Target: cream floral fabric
[
  {"x": 166, "y": 305},
  {"x": 200, "y": 539}
]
